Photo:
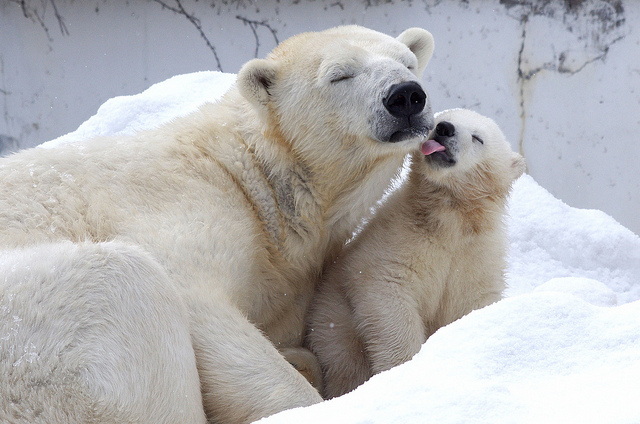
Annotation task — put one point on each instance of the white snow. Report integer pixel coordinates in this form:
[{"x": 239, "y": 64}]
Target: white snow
[
  {"x": 563, "y": 347},
  {"x": 174, "y": 97}
]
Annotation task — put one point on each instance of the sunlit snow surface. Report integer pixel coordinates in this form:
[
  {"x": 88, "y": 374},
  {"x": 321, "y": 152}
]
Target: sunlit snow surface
[{"x": 563, "y": 347}]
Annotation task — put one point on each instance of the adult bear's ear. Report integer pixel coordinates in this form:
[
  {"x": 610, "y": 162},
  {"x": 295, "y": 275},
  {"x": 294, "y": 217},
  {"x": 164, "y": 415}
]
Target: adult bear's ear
[
  {"x": 420, "y": 42},
  {"x": 255, "y": 80}
]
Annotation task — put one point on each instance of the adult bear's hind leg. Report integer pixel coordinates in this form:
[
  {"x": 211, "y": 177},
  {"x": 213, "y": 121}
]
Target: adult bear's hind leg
[
  {"x": 93, "y": 333},
  {"x": 242, "y": 375}
]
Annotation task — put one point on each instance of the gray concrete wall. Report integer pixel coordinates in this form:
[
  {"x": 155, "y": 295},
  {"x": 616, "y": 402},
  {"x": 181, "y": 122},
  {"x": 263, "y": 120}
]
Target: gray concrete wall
[{"x": 561, "y": 78}]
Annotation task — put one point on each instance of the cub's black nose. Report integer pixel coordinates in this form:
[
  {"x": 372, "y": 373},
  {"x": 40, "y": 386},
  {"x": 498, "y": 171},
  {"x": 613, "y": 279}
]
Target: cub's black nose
[
  {"x": 405, "y": 99},
  {"x": 445, "y": 129}
]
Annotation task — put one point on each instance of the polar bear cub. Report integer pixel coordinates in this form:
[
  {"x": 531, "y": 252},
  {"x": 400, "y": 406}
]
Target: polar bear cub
[{"x": 432, "y": 253}]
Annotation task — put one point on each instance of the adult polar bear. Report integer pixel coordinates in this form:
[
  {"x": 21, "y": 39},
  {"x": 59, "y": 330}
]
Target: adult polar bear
[{"x": 212, "y": 228}]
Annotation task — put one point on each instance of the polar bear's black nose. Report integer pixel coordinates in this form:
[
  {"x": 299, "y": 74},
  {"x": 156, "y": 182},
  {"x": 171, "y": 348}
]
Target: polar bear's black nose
[
  {"x": 405, "y": 99},
  {"x": 445, "y": 129}
]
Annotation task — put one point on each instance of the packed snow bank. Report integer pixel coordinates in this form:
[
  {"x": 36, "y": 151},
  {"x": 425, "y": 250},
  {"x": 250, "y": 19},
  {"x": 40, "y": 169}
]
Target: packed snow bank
[
  {"x": 558, "y": 349},
  {"x": 158, "y": 104},
  {"x": 535, "y": 358},
  {"x": 550, "y": 239}
]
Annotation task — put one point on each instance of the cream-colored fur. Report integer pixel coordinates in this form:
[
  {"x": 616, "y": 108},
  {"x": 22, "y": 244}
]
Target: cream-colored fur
[
  {"x": 433, "y": 252},
  {"x": 107, "y": 317},
  {"x": 235, "y": 208}
]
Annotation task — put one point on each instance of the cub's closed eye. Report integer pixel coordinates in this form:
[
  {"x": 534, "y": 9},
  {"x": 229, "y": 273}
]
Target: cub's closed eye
[{"x": 478, "y": 139}]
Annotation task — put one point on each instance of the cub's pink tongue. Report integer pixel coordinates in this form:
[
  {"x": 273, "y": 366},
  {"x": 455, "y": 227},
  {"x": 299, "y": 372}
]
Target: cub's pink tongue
[{"x": 431, "y": 146}]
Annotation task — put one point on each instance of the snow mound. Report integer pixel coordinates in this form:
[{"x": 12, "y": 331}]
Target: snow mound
[
  {"x": 550, "y": 239},
  {"x": 558, "y": 349},
  {"x": 174, "y": 97},
  {"x": 535, "y": 358},
  {"x": 589, "y": 290}
]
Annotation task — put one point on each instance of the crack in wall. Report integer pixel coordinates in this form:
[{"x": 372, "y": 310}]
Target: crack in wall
[
  {"x": 254, "y": 28},
  {"x": 37, "y": 14},
  {"x": 8, "y": 143},
  {"x": 521, "y": 85},
  {"x": 601, "y": 28},
  {"x": 180, "y": 10},
  {"x": 5, "y": 93}
]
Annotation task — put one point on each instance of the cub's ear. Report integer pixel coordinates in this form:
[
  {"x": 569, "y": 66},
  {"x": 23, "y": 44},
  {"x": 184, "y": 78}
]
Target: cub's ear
[
  {"x": 256, "y": 78},
  {"x": 518, "y": 165},
  {"x": 420, "y": 42}
]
